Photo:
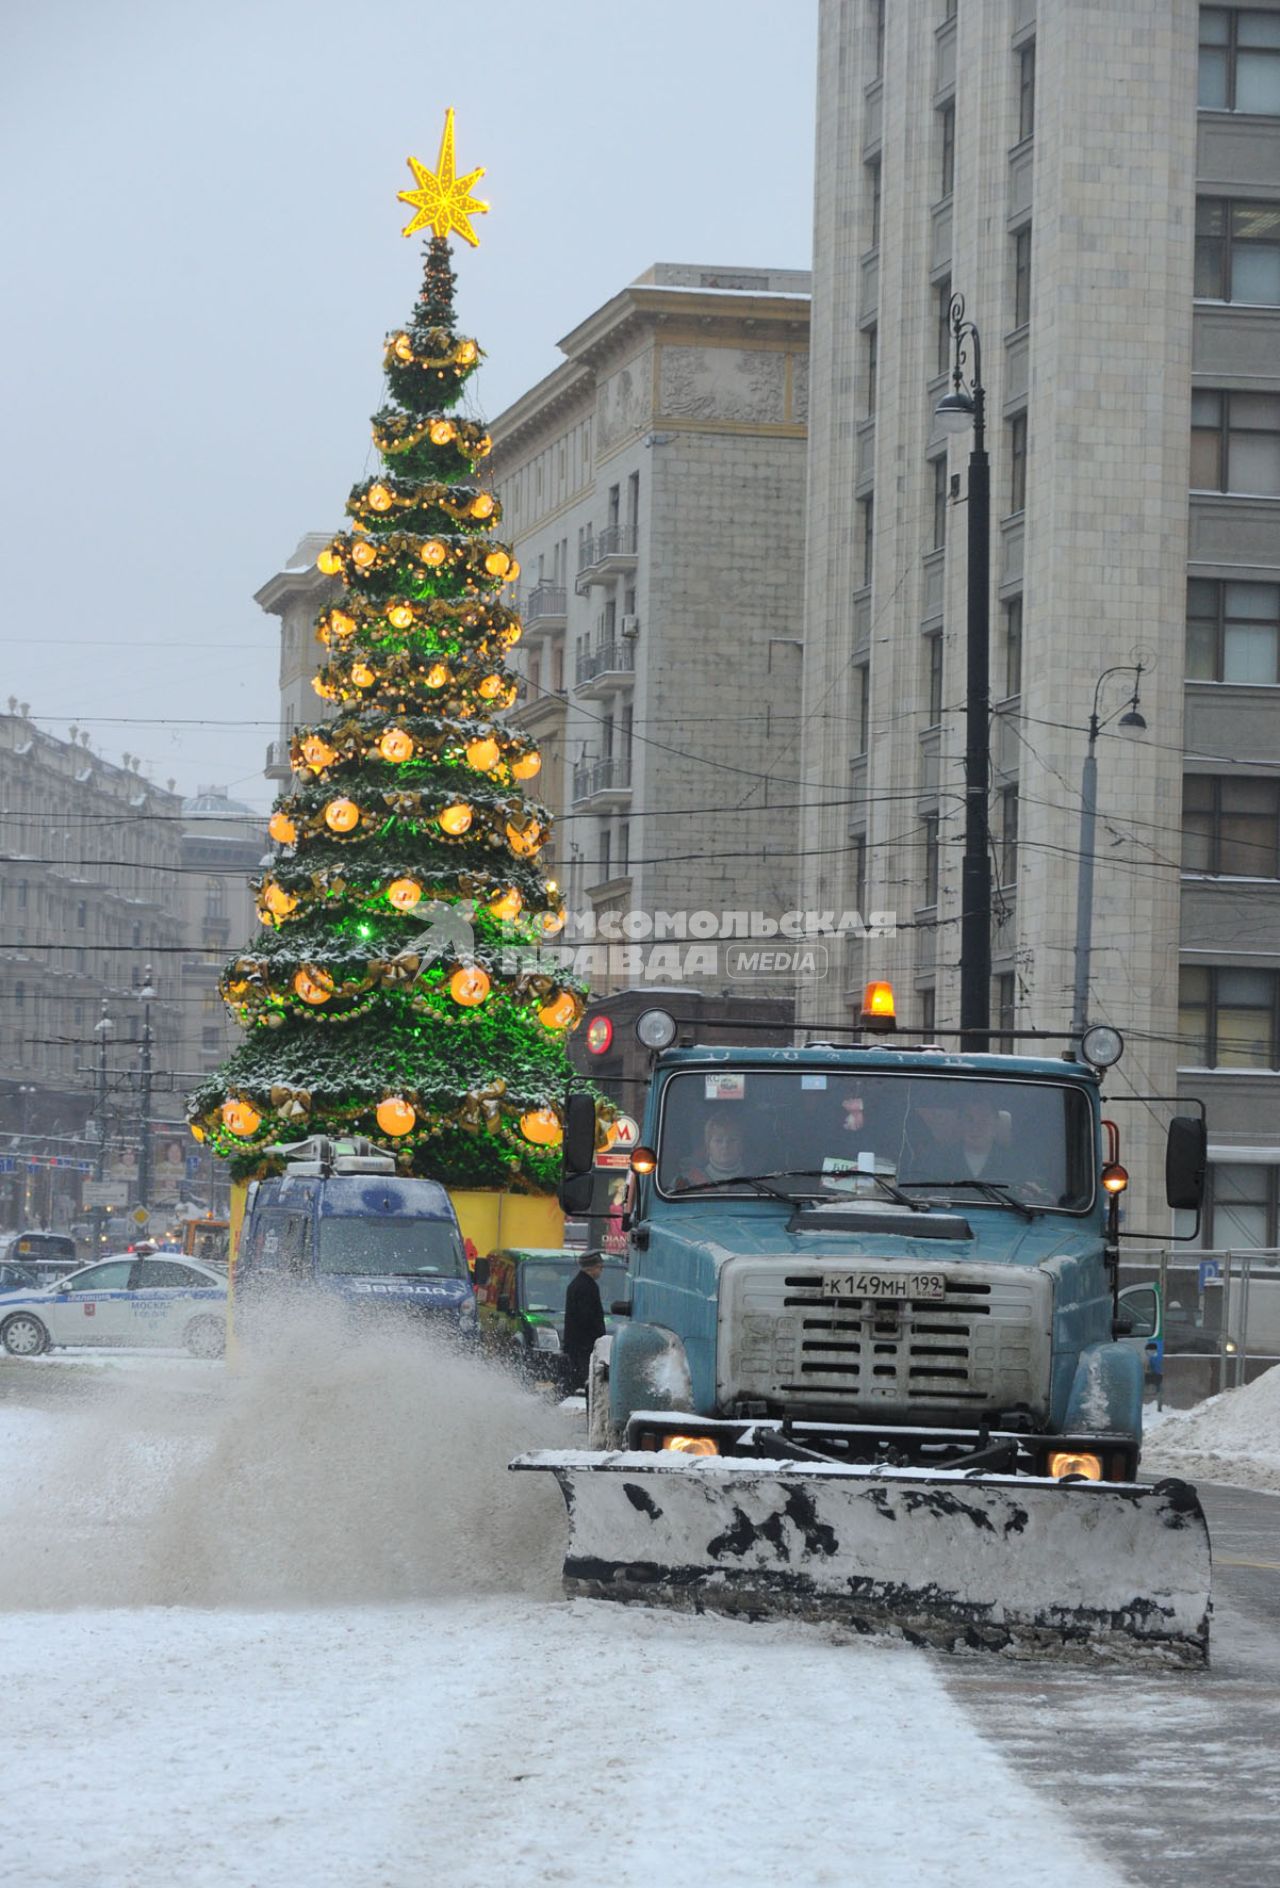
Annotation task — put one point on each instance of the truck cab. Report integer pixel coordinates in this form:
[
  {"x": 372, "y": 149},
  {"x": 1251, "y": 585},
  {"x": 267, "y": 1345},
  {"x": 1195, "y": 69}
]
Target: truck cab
[{"x": 913, "y": 1247}]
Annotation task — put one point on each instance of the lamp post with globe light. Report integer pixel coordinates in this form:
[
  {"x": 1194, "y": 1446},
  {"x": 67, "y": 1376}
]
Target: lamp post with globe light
[
  {"x": 956, "y": 412},
  {"x": 1134, "y": 722}
]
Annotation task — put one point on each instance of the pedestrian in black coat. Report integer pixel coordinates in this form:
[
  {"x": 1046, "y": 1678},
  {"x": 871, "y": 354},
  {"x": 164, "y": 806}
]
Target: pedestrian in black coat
[{"x": 583, "y": 1319}]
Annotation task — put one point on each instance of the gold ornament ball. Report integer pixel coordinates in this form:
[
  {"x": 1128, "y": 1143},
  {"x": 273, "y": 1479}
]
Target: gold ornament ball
[
  {"x": 396, "y": 745},
  {"x": 363, "y": 554},
  {"x": 400, "y": 616},
  {"x": 240, "y": 1118},
  {"x": 559, "y": 1012},
  {"x": 497, "y": 563},
  {"x": 542, "y": 1127},
  {"x": 402, "y": 348},
  {"x": 381, "y": 498},
  {"x": 469, "y": 985},
  {"x": 483, "y": 753},
  {"x": 551, "y": 922},
  {"x": 282, "y": 829},
  {"x": 455, "y": 819},
  {"x": 362, "y": 675},
  {"x": 277, "y": 900},
  {"x": 394, "y": 1115},
  {"x": 341, "y": 815},
  {"x": 433, "y": 552},
  {"x": 340, "y": 624},
  {"x": 317, "y": 752},
  {"x": 404, "y": 893},
  {"x": 436, "y": 676},
  {"x": 507, "y": 905},
  {"x": 441, "y": 432},
  {"x": 325, "y": 690},
  {"x": 524, "y": 840},
  {"x": 466, "y": 353},
  {"x": 527, "y": 765},
  {"x": 488, "y": 687},
  {"x": 513, "y": 571},
  {"x": 313, "y": 986},
  {"x": 329, "y": 562},
  {"x": 482, "y": 505}
]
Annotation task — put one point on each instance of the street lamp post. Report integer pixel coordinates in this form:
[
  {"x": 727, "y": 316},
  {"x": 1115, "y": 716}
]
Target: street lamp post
[
  {"x": 102, "y": 1030},
  {"x": 1133, "y": 720},
  {"x": 957, "y": 411},
  {"x": 144, "y": 1092}
]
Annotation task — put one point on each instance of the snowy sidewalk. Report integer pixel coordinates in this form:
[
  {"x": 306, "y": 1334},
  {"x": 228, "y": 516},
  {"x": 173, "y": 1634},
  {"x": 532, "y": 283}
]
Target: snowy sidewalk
[{"x": 493, "y": 1743}]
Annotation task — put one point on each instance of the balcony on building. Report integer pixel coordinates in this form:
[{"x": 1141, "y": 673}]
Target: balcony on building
[
  {"x": 544, "y": 608},
  {"x": 600, "y": 671},
  {"x": 602, "y": 785},
  {"x": 278, "y": 766},
  {"x": 610, "y": 553}
]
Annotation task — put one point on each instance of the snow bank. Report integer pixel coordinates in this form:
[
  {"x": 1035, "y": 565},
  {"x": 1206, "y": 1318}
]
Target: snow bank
[
  {"x": 325, "y": 1471},
  {"x": 1234, "y": 1437}
]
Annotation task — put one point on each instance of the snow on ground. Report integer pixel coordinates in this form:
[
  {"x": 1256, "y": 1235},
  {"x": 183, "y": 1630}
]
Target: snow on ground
[
  {"x": 300, "y": 1628},
  {"x": 1234, "y": 1437}
]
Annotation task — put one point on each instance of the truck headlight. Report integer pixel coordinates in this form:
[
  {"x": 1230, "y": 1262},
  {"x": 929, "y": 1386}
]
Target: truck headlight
[
  {"x": 467, "y": 1310},
  {"x": 546, "y": 1337}
]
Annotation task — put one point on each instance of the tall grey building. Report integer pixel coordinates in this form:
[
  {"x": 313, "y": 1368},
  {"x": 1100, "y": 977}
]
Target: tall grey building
[
  {"x": 653, "y": 486},
  {"x": 1118, "y": 246}
]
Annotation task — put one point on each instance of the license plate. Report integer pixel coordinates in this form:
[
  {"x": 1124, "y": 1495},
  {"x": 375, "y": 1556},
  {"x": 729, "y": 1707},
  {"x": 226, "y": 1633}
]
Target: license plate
[{"x": 884, "y": 1285}]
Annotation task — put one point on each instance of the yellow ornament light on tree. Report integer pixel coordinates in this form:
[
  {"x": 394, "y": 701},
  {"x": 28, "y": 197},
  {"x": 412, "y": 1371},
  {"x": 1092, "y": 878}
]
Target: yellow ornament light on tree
[
  {"x": 313, "y": 986},
  {"x": 399, "y": 615},
  {"x": 396, "y": 745},
  {"x": 455, "y": 819},
  {"x": 542, "y": 1127},
  {"x": 362, "y": 675},
  {"x": 240, "y": 1118},
  {"x": 433, "y": 552},
  {"x": 277, "y": 900},
  {"x": 395, "y": 1115},
  {"x": 443, "y": 200},
  {"x": 329, "y": 562},
  {"x": 363, "y": 554},
  {"x": 442, "y": 431},
  {"x": 507, "y": 905},
  {"x": 341, "y": 816},
  {"x": 524, "y": 840},
  {"x": 465, "y": 353},
  {"x": 497, "y": 563},
  {"x": 489, "y": 687},
  {"x": 282, "y": 829},
  {"x": 469, "y": 985},
  {"x": 436, "y": 676},
  {"x": 402, "y": 348},
  {"x": 317, "y": 752},
  {"x": 551, "y": 922},
  {"x": 559, "y": 1012},
  {"x": 381, "y": 498},
  {"x": 404, "y": 893},
  {"x": 482, "y": 505},
  {"x": 482, "y": 754},
  {"x": 527, "y": 766},
  {"x": 340, "y": 624}
]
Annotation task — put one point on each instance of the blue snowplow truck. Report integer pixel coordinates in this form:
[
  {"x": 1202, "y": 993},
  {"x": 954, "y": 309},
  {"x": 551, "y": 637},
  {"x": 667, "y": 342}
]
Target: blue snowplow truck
[{"x": 874, "y": 1367}]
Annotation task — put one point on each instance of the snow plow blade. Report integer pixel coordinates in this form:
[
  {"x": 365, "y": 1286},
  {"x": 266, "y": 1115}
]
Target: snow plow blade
[{"x": 1002, "y": 1563}]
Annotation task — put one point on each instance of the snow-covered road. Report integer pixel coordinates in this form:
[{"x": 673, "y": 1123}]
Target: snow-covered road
[{"x": 369, "y": 1679}]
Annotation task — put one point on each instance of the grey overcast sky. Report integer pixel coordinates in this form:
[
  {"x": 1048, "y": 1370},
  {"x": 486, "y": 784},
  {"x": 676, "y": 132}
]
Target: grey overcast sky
[{"x": 204, "y": 254}]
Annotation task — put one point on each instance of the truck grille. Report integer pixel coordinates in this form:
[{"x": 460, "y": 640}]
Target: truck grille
[{"x": 985, "y": 1344}]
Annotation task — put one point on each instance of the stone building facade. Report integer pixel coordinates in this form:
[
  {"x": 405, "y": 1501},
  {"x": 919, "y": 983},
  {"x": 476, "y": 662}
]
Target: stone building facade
[
  {"x": 1118, "y": 247},
  {"x": 653, "y": 486}
]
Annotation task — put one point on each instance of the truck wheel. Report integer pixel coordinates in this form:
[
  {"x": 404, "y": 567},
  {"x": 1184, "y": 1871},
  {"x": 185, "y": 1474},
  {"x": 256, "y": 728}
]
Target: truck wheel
[
  {"x": 206, "y": 1337},
  {"x": 23, "y": 1335}
]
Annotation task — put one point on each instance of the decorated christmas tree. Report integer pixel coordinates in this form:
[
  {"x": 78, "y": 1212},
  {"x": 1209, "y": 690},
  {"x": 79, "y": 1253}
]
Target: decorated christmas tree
[{"x": 397, "y": 991}]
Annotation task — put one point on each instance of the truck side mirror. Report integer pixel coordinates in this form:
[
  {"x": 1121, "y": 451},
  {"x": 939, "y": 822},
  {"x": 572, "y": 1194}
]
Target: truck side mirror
[
  {"x": 1185, "y": 1160},
  {"x": 579, "y": 1153}
]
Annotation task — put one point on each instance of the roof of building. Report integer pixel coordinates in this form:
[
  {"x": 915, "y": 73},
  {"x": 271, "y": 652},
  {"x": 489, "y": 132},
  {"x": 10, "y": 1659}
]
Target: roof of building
[{"x": 213, "y": 803}]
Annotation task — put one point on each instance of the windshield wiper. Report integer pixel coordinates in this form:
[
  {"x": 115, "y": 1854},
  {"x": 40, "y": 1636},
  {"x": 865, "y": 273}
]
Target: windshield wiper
[
  {"x": 999, "y": 1192},
  {"x": 760, "y": 1182}
]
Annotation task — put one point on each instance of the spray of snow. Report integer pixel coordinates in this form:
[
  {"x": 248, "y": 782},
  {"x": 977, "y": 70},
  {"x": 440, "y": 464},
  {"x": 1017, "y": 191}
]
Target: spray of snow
[
  {"x": 1234, "y": 1437},
  {"x": 322, "y": 1471}
]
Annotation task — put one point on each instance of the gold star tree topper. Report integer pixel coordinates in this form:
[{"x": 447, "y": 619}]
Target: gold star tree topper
[{"x": 443, "y": 200}]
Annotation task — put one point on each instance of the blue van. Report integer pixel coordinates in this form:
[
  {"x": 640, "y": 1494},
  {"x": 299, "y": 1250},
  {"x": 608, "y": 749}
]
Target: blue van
[{"x": 342, "y": 1222}]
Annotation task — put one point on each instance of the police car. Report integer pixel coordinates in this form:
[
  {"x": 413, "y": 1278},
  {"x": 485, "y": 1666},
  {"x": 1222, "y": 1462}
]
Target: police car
[{"x": 163, "y": 1299}]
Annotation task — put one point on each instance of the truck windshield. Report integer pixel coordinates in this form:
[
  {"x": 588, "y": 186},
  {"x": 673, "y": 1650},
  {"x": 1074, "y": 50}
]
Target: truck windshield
[
  {"x": 1032, "y": 1139},
  {"x": 419, "y": 1248},
  {"x": 543, "y": 1284}
]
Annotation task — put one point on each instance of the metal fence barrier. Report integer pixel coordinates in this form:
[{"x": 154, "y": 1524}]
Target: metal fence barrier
[{"x": 1221, "y": 1316}]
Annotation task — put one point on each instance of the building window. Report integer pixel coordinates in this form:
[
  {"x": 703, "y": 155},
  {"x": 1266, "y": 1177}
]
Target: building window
[
  {"x": 1231, "y": 827},
  {"x": 929, "y": 825},
  {"x": 861, "y": 707},
  {"x": 1018, "y": 463},
  {"x": 557, "y": 669},
  {"x": 1022, "y": 277},
  {"x": 624, "y": 848},
  {"x": 858, "y": 870},
  {"x": 947, "y": 154},
  {"x": 938, "y": 538},
  {"x": 1008, "y": 806},
  {"x": 1233, "y": 631},
  {"x": 873, "y": 198},
  {"x": 877, "y": 39},
  {"x": 1235, "y": 442},
  {"x": 1227, "y": 1018},
  {"x": 633, "y": 505},
  {"x": 933, "y": 660},
  {"x": 1013, "y": 647},
  {"x": 1241, "y": 1207},
  {"x": 82, "y": 913},
  {"x": 942, "y": 294},
  {"x": 1239, "y": 61},
  {"x": 215, "y": 898},
  {"x": 873, "y": 364},
  {"x": 1238, "y": 251},
  {"x": 1004, "y": 1004},
  {"x": 605, "y": 869},
  {"x": 1026, "y": 91},
  {"x": 868, "y": 506},
  {"x": 928, "y": 1001},
  {"x": 22, "y": 894}
]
